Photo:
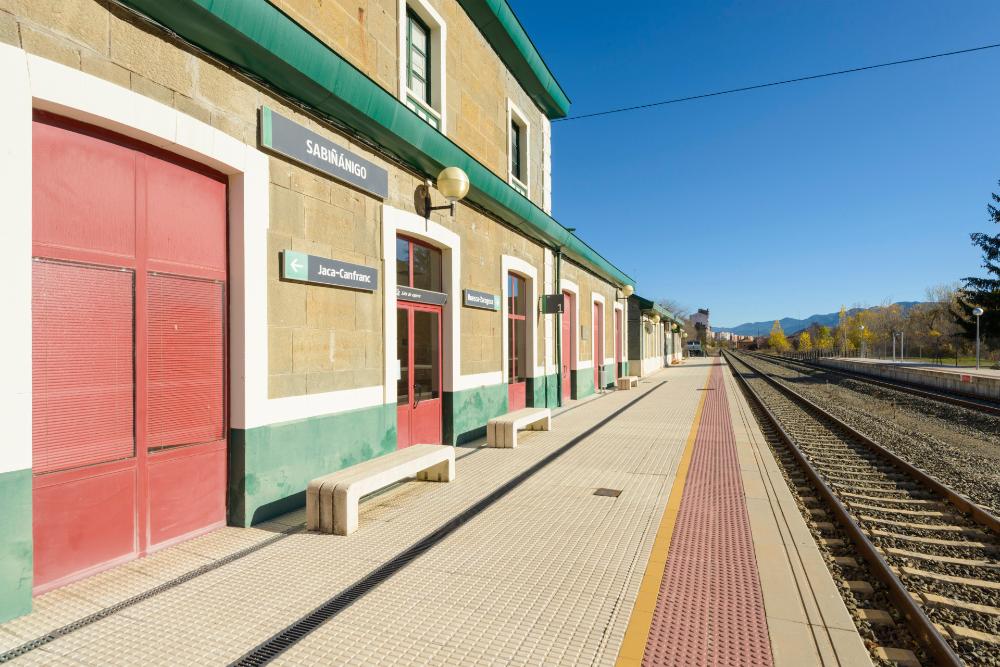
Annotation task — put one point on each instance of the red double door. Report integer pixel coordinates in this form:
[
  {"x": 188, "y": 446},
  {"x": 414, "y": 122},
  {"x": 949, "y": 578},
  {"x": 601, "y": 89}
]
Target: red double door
[
  {"x": 418, "y": 390},
  {"x": 619, "y": 342},
  {"x": 567, "y": 343},
  {"x": 128, "y": 349},
  {"x": 598, "y": 347}
]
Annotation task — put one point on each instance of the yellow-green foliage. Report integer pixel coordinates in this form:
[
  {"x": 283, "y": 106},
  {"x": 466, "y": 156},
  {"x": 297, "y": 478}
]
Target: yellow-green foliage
[
  {"x": 805, "y": 342},
  {"x": 777, "y": 340}
]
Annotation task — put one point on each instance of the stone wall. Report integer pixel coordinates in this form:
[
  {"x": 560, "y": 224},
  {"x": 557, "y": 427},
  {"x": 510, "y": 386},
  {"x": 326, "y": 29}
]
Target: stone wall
[{"x": 364, "y": 32}]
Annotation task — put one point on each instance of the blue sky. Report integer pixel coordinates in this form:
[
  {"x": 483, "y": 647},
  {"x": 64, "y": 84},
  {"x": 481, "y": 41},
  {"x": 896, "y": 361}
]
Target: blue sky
[{"x": 791, "y": 200}]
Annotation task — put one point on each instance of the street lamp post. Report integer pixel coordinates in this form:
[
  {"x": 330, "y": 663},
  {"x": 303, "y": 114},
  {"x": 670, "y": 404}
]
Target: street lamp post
[
  {"x": 862, "y": 341},
  {"x": 978, "y": 312}
]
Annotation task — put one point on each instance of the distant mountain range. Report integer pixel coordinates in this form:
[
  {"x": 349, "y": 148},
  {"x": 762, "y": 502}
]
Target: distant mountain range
[{"x": 793, "y": 325}]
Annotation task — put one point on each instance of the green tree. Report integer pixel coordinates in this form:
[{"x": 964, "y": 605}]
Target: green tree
[
  {"x": 983, "y": 291},
  {"x": 777, "y": 341},
  {"x": 805, "y": 342}
]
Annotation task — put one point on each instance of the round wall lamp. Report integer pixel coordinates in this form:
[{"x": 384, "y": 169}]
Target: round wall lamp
[
  {"x": 628, "y": 291},
  {"x": 453, "y": 183}
]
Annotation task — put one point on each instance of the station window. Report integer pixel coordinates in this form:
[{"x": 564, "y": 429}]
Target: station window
[
  {"x": 518, "y": 140},
  {"x": 418, "y": 265},
  {"x": 422, "y": 61},
  {"x": 517, "y": 328}
]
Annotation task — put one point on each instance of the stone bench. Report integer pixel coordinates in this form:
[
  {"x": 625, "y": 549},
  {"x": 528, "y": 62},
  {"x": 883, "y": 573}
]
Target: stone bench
[
  {"x": 332, "y": 500},
  {"x": 502, "y": 431},
  {"x": 628, "y": 381}
]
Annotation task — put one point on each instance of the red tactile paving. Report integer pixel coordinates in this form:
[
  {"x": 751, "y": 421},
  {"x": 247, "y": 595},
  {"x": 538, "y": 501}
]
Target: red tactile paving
[{"x": 709, "y": 609}]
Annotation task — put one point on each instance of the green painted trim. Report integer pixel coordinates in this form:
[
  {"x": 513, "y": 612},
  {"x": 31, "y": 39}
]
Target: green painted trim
[
  {"x": 466, "y": 412},
  {"x": 17, "y": 564},
  {"x": 270, "y": 466},
  {"x": 258, "y": 38},
  {"x": 266, "y": 133},
  {"x": 582, "y": 384},
  {"x": 502, "y": 29},
  {"x": 537, "y": 388},
  {"x": 623, "y": 369}
]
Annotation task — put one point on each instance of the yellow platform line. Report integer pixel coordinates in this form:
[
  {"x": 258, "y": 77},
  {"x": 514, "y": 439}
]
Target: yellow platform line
[{"x": 637, "y": 632}]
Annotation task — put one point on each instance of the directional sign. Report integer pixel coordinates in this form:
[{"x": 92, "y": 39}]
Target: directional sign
[
  {"x": 421, "y": 295},
  {"x": 324, "y": 271},
  {"x": 484, "y": 300}
]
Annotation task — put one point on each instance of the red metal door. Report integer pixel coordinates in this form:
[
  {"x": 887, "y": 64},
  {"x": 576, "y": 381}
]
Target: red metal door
[
  {"x": 419, "y": 332},
  {"x": 568, "y": 327},
  {"x": 598, "y": 344},
  {"x": 618, "y": 343},
  {"x": 128, "y": 349}
]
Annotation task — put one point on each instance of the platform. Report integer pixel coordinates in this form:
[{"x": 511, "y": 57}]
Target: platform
[
  {"x": 983, "y": 383},
  {"x": 571, "y": 549}
]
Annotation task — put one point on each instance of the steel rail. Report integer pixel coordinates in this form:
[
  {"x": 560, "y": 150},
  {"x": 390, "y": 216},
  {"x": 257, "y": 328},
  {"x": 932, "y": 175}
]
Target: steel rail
[
  {"x": 922, "y": 627},
  {"x": 978, "y": 514},
  {"x": 978, "y": 405}
]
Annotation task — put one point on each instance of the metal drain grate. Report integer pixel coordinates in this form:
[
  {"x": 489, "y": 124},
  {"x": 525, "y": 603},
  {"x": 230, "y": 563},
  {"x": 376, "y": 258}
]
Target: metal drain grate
[{"x": 609, "y": 493}]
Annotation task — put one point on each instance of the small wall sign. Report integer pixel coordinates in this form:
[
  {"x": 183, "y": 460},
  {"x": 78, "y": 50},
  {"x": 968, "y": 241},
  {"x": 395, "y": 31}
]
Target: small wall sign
[
  {"x": 421, "y": 295},
  {"x": 296, "y": 142},
  {"x": 324, "y": 271},
  {"x": 551, "y": 303},
  {"x": 483, "y": 300}
]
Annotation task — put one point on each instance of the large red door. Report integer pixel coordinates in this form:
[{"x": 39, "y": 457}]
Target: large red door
[
  {"x": 418, "y": 391},
  {"x": 568, "y": 327},
  {"x": 128, "y": 349},
  {"x": 598, "y": 346},
  {"x": 618, "y": 343}
]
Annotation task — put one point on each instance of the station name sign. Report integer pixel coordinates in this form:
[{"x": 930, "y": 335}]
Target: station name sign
[
  {"x": 484, "y": 300},
  {"x": 421, "y": 295},
  {"x": 297, "y": 142},
  {"x": 324, "y": 271}
]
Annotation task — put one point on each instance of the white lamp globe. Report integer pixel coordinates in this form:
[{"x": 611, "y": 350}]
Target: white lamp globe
[
  {"x": 453, "y": 183},
  {"x": 628, "y": 291},
  {"x": 978, "y": 312}
]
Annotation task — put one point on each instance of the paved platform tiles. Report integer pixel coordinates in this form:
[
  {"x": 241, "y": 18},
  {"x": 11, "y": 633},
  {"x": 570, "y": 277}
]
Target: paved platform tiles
[
  {"x": 709, "y": 597},
  {"x": 547, "y": 574},
  {"x": 984, "y": 370}
]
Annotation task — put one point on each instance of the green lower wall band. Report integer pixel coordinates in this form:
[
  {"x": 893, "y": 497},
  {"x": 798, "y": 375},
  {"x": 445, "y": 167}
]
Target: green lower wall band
[
  {"x": 270, "y": 466},
  {"x": 582, "y": 383},
  {"x": 544, "y": 391},
  {"x": 466, "y": 412},
  {"x": 16, "y": 555},
  {"x": 623, "y": 369}
]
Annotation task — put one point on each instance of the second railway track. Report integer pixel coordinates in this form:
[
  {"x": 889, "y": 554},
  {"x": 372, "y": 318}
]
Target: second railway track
[{"x": 935, "y": 551}]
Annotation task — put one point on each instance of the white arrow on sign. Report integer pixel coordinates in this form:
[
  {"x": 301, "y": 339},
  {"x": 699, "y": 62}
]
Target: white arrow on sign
[{"x": 295, "y": 265}]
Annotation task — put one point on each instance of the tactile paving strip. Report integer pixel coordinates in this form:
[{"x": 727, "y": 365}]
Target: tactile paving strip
[{"x": 709, "y": 609}]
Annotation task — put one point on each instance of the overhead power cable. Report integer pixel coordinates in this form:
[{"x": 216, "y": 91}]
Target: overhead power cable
[{"x": 772, "y": 84}]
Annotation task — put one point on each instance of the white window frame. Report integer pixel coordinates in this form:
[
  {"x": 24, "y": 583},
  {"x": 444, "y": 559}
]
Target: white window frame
[
  {"x": 515, "y": 115},
  {"x": 439, "y": 41}
]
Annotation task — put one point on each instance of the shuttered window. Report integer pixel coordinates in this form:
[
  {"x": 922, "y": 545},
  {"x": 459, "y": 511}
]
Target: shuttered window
[
  {"x": 186, "y": 352},
  {"x": 82, "y": 366}
]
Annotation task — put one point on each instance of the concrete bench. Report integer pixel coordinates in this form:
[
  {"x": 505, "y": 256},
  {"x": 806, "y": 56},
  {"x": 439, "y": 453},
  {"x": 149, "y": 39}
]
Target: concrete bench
[
  {"x": 628, "y": 381},
  {"x": 502, "y": 431},
  {"x": 332, "y": 500}
]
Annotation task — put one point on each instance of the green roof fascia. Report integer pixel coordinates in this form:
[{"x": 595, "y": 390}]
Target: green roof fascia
[
  {"x": 650, "y": 305},
  {"x": 502, "y": 29},
  {"x": 259, "y": 38}
]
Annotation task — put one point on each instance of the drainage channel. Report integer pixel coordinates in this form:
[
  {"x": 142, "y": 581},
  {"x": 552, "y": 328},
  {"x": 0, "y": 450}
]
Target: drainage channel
[
  {"x": 113, "y": 609},
  {"x": 283, "y": 640}
]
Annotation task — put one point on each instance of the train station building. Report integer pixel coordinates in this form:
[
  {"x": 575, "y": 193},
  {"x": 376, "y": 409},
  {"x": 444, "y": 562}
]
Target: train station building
[{"x": 232, "y": 265}]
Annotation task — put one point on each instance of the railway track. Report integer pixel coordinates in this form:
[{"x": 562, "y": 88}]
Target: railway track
[
  {"x": 936, "y": 553},
  {"x": 966, "y": 402}
]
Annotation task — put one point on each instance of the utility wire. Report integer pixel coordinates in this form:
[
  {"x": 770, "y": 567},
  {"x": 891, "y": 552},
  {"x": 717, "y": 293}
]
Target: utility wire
[{"x": 775, "y": 83}]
